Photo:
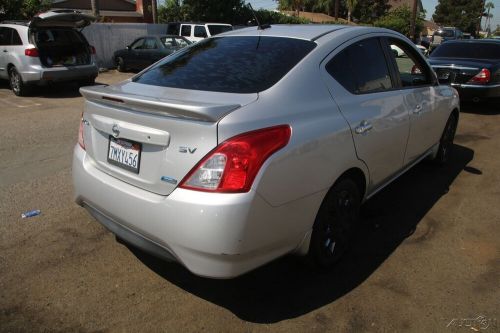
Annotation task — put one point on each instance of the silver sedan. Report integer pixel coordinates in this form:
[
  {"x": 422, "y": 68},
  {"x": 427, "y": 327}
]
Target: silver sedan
[{"x": 256, "y": 143}]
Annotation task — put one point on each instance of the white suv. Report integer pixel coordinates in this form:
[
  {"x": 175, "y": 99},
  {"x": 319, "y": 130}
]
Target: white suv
[
  {"x": 47, "y": 49},
  {"x": 197, "y": 31}
]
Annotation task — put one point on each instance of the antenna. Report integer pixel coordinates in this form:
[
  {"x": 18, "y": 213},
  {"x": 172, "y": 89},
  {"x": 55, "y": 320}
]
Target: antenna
[{"x": 260, "y": 26}]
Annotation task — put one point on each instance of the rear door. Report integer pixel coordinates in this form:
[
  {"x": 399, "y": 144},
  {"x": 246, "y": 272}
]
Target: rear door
[
  {"x": 361, "y": 82},
  {"x": 418, "y": 89},
  {"x": 5, "y": 37}
]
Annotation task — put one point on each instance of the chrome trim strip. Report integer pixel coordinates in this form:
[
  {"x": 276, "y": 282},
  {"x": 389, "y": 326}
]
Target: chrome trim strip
[
  {"x": 475, "y": 85},
  {"x": 454, "y": 67}
]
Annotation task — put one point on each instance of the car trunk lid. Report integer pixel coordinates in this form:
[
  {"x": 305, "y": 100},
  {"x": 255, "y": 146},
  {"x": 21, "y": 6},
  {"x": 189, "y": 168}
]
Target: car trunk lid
[
  {"x": 172, "y": 128},
  {"x": 66, "y": 18},
  {"x": 459, "y": 71}
]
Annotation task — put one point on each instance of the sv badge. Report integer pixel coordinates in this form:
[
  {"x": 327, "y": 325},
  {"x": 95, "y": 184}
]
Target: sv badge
[{"x": 187, "y": 150}]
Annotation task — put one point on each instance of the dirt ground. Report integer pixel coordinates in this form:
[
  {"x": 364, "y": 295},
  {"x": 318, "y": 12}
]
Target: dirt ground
[{"x": 426, "y": 257}]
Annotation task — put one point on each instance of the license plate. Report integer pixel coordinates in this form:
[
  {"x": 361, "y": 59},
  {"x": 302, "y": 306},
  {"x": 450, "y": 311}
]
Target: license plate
[
  {"x": 125, "y": 154},
  {"x": 445, "y": 76}
]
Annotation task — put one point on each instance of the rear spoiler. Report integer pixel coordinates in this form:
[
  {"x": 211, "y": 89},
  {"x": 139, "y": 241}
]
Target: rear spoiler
[{"x": 208, "y": 112}]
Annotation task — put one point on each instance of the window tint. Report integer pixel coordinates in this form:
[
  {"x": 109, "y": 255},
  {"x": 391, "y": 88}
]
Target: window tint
[
  {"x": 186, "y": 31},
  {"x": 361, "y": 67},
  {"x": 16, "y": 39},
  {"x": 150, "y": 44},
  {"x": 5, "y": 36},
  {"x": 216, "y": 29},
  {"x": 246, "y": 64},
  {"x": 476, "y": 50},
  {"x": 412, "y": 71},
  {"x": 137, "y": 45},
  {"x": 199, "y": 31}
]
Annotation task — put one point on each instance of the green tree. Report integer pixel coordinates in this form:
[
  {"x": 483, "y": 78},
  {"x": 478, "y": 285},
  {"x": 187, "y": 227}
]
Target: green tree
[
  {"x": 399, "y": 20},
  {"x": 22, "y": 10},
  {"x": 351, "y": 5},
  {"x": 463, "y": 14},
  {"x": 367, "y": 11}
]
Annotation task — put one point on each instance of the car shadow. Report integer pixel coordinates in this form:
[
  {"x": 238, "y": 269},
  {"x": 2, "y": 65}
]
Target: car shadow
[
  {"x": 486, "y": 108},
  {"x": 53, "y": 90},
  {"x": 287, "y": 288}
]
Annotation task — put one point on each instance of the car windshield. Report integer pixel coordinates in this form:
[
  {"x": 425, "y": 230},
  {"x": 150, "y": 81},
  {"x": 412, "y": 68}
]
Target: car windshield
[
  {"x": 468, "y": 50},
  {"x": 444, "y": 33},
  {"x": 216, "y": 29},
  {"x": 243, "y": 64}
]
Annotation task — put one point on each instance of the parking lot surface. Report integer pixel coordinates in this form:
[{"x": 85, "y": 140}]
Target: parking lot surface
[{"x": 426, "y": 257}]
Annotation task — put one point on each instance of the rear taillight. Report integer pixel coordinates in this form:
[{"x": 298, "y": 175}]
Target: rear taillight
[
  {"x": 81, "y": 142},
  {"x": 482, "y": 77},
  {"x": 92, "y": 49},
  {"x": 31, "y": 52},
  {"x": 233, "y": 165}
]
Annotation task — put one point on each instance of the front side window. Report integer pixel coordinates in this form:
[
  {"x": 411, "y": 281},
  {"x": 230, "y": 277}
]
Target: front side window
[
  {"x": 199, "y": 31},
  {"x": 243, "y": 64},
  {"x": 412, "y": 70},
  {"x": 361, "y": 67},
  {"x": 138, "y": 44}
]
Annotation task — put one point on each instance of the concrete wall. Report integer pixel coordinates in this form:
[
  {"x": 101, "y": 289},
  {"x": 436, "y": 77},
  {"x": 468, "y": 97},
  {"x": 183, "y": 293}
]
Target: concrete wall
[{"x": 109, "y": 37}]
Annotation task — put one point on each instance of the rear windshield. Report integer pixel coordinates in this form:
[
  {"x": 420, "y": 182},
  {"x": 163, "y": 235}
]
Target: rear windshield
[
  {"x": 444, "y": 33},
  {"x": 216, "y": 29},
  {"x": 468, "y": 50},
  {"x": 246, "y": 64}
]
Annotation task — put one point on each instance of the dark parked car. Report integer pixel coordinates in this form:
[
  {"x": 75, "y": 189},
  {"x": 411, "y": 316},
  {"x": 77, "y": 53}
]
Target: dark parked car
[
  {"x": 147, "y": 50},
  {"x": 470, "y": 66}
]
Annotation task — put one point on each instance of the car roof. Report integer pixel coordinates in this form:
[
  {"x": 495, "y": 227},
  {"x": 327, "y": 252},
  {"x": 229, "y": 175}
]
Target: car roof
[
  {"x": 15, "y": 26},
  {"x": 309, "y": 32},
  {"x": 159, "y": 36},
  {"x": 472, "y": 41}
]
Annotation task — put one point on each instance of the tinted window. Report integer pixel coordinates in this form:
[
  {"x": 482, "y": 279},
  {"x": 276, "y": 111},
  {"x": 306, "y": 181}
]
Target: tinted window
[
  {"x": 199, "y": 31},
  {"x": 361, "y": 67},
  {"x": 246, "y": 64},
  {"x": 468, "y": 50},
  {"x": 16, "y": 39},
  {"x": 5, "y": 36},
  {"x": 412, "y": 70},
  {"x": 215, "y": 29},
  {"x": 150, "y": 44},
  {"x": 186, "y": 31},
  {"x": 445, "y": 33},
  {"x": 138, "y": 44}
]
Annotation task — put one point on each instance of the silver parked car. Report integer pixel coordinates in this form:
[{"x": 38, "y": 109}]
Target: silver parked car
[
  {"x": 47, "y": 49},
  {"x": 253, "y": 144}
]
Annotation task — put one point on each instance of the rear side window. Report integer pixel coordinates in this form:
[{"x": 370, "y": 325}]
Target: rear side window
[
  {"x": 361, "y": 67},
  {"x": 246, "y": 64},
  {"x": 468, "y": 50},
  {"x": 16, "y": 39},
  {"x": 186, "y": 31},
  {"x": 5, "y": 36},
  {"x": 216, "y": 29}
]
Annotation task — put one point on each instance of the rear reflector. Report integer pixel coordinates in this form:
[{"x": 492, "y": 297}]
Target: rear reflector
[
  {"x": 482, "y": 77},
  {"x": 233, "y": 165},
  {"x": 92, "y": 49},
  {"x": 31, "y": 52},
  {"x": 81, "y": 142}
]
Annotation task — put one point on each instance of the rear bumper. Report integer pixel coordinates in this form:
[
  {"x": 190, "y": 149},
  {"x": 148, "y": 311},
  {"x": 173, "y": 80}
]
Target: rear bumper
[
  {"x": 469, "y": 92},
  {"x": 212, "y": 235},
  {"x": 37, "y": 74}
]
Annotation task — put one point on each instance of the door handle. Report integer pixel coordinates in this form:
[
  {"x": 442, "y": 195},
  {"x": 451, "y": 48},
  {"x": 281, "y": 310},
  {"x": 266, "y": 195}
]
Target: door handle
[
  {"x": 417, "y": 109},
  {"x": 363, "y": 127}
]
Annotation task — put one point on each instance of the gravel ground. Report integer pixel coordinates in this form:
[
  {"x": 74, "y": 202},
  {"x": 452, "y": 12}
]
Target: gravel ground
[{"x": 426, "y": 257}]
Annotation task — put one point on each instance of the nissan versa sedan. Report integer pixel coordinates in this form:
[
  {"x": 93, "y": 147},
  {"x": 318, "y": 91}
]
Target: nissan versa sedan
[{"x": 257, "y": 143}]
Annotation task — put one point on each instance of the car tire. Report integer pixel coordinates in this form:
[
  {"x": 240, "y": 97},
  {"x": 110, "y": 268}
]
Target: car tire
[
  {"x": 120, "y": 65},
  {"x": 16, "y": 83},
  {"x": 335, "y": 224},
  {"x": 446, "y": 141}
]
